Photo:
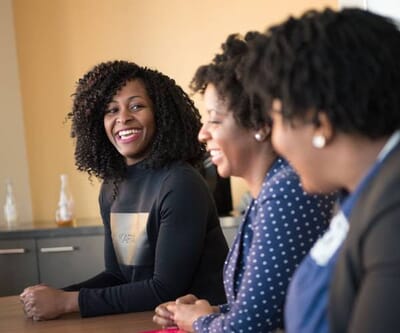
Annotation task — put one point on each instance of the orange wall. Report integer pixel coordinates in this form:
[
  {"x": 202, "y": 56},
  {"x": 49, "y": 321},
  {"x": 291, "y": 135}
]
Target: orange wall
[
  {"x": 13, "y": 164},
  {"x": 58, "y": 40}
]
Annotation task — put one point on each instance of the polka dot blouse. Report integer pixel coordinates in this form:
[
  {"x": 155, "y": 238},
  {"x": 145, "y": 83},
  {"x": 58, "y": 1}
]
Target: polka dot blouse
[{"x": 278, "y": 229}]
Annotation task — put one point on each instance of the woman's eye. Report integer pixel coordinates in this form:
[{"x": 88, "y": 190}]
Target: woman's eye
[
  {"x": 214, "y": 122},
  {"x": 112, "y": 110},
  {"x": 135, "y": 107}
]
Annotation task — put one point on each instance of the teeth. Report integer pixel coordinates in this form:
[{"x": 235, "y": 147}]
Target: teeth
[
  {"x": 214, "y": 153},
  {"x": 128, "y": 132}
]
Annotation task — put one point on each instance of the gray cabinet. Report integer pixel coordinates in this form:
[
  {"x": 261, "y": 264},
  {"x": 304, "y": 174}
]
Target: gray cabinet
[
  {"x": 64, "y": 261},
  {"x": 18, "y": 266},
  {"x": 46, "y": 254},
  {"x": 60, "y": 256}
]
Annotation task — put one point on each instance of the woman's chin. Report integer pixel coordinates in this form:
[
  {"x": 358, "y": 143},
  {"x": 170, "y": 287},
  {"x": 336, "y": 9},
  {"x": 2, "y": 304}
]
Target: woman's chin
[
  {"x": 312, "y": 188},
  {"x": 222, "y": 171}
]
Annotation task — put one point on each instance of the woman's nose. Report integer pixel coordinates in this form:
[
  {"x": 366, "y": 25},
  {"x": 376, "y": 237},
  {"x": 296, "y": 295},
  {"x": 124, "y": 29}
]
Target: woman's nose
[
  {"x": 204, "y": 134},
  {"x": 124, "y": 116}
]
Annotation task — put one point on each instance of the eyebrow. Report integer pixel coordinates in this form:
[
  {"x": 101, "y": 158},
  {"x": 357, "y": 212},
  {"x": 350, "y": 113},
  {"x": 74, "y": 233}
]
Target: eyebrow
[
  {"x": 128, "y": 99},
  {"x": 217, "y": 112}
]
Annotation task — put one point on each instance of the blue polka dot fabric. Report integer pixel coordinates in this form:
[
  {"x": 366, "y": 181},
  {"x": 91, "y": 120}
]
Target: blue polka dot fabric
[{"x": 278, "y": 229}]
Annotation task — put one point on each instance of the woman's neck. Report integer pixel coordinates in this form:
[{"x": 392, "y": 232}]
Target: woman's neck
[
  {"x": 259, "y": 165},
  {"x": 356, "y": 158}
]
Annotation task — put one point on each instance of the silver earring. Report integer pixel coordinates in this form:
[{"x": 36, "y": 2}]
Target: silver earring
[
  {"x": 259, "y": 137},
  {"x": 318, "y": 141}
]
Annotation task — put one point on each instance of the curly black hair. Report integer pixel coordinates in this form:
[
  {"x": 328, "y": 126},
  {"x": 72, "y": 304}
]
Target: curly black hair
[
  {"x": 177, "y": 120},
  {"x": 222, "y": 72},
  {"x": 343, "y": 63}
]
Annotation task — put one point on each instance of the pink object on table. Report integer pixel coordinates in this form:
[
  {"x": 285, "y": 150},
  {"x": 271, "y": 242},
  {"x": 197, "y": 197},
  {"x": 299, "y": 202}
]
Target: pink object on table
[{"x": 166, "y": 330}]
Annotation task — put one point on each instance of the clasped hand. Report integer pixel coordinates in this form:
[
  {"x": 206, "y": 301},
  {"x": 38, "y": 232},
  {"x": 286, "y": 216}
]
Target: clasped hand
[
  {"x": 183, "y": 312},
  {"x": 42, "y": 302}
]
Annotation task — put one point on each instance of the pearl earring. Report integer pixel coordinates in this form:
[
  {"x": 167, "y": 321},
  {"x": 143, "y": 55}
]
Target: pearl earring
[
  {"x": 318, "y": 141},
  {"x": 259, "y": 137}
]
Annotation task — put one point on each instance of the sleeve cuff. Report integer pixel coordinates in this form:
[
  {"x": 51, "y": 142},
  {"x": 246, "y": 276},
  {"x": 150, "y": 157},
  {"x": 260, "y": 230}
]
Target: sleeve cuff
[
  {"x": 224, "y": 308},
  {"x": 201, "y": 325}
]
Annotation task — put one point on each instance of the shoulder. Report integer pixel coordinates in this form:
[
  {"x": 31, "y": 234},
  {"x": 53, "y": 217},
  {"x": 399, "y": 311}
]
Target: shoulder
[
  {"x": 371, "y": 248},
  {"x": 180, "y": 175},
  {"x": 282, "y": 172},
  {"x": 181, "y": 171},
  {"x": 382, "y": 194},
  {"x": 282, "y": 186},
  {"x": 281, "y": 179},
  {"x": 376, "y": 214},
  {"x": 376, "y": 210}
]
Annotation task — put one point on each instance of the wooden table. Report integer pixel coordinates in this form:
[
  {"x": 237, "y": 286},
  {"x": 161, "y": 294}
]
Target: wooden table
[{"x": 13, "y": 320}]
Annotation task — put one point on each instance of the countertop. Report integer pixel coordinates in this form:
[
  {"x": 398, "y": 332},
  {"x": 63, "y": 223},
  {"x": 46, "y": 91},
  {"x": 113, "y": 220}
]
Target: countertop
[{"x": 81, "y": 227}]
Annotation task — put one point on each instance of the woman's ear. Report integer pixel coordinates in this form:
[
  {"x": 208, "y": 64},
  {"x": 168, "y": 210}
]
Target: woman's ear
[
  {"x": 263, "y": 133},
  {"x": 323, "y": 133},
  {"x": 267, "y": 130}
]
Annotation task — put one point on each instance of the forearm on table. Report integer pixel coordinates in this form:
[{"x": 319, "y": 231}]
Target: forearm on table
[{"x": 71, "y": 303}]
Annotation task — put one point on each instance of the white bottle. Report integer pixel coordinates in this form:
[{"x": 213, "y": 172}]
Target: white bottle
[
  {"x": 65, "y": 210},
  {"x": 10, "y": 206}
]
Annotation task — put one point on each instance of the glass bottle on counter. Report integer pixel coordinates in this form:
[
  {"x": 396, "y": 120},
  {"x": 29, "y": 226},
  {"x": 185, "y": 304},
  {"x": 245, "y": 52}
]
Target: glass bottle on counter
[
  {"x": 10, "y": 206},
  {"x": 65, "y": 209}
]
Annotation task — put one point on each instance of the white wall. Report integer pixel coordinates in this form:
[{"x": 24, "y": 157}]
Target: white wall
[
  {"x": 383, "y": 7},
  {"x": 13, "y": 157}
]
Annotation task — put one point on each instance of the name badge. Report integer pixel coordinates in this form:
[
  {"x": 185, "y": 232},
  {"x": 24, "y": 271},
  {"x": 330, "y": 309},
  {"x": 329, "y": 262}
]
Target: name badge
[{"x": 328, "y": 244}]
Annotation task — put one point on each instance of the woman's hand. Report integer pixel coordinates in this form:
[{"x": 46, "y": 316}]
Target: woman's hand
[
  {"x": 164, "y": 317},
  {"x": 42, "y": 302},
  {"x": 184, "y": 315}
]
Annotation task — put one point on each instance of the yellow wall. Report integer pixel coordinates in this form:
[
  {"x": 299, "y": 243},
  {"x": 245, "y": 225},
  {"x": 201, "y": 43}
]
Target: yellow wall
[{"x": 58, "y": 40}]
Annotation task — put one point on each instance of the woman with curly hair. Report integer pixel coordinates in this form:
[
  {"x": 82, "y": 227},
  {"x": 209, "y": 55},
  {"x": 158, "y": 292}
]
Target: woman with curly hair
[
  {"x": 331, "y": 81},
  {"x": 136, "y": 130},
  {"x": 279, "y": 226}
]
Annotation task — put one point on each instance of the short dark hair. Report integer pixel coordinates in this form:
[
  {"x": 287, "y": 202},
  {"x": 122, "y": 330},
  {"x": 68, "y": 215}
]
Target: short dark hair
[
  {"x": 223, "y": 73},
  {"x": 343, "y": 63},
  {"x": 177, "y": 120}
]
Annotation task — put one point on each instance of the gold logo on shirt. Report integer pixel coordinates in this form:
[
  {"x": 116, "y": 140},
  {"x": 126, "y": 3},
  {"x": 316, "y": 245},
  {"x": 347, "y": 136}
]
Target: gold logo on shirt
[{"x": 128, "y": 231}]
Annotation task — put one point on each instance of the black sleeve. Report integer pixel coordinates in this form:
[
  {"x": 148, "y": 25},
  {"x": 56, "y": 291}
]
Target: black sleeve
[
  {"x": 375, "y": 308},
  {"x": 184, "y": 207},
  {"x": 101, "y": 280}
]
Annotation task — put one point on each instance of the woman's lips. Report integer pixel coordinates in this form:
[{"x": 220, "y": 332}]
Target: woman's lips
[
  {"x": 128, "y": 135},
  {"x": 215, "y": 155}
]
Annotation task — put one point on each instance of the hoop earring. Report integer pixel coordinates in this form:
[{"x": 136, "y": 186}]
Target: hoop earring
[
  {"x": 318, "y": 141},
  {"x": 259, "y": 137}
]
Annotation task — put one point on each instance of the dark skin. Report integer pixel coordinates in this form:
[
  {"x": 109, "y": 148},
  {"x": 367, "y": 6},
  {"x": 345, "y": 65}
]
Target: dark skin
[
  {"x": 178, "y": 313},
  {"x": 236, "y": 151},
  {"x": 43, "y": 302}
]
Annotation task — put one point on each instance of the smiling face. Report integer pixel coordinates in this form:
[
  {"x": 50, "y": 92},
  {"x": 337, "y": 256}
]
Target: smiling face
[
  {"x": 129, "y": 122},
  {"x": 229, "y": 144}
]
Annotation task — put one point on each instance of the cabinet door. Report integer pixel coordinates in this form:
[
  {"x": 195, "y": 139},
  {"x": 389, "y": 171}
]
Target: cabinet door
[
  {"x": 18, "y": 266},
  {"x": 68, "y": 260}
]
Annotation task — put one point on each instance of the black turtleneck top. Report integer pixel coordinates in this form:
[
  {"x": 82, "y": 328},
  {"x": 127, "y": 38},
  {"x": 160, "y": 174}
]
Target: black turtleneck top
[{"x": 162, "y": 240}]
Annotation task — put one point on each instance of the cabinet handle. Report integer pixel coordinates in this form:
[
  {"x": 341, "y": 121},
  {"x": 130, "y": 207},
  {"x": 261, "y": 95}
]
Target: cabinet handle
[
  {"x": 57, "y": 249},
  {"x": 12, "y": 251}
]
